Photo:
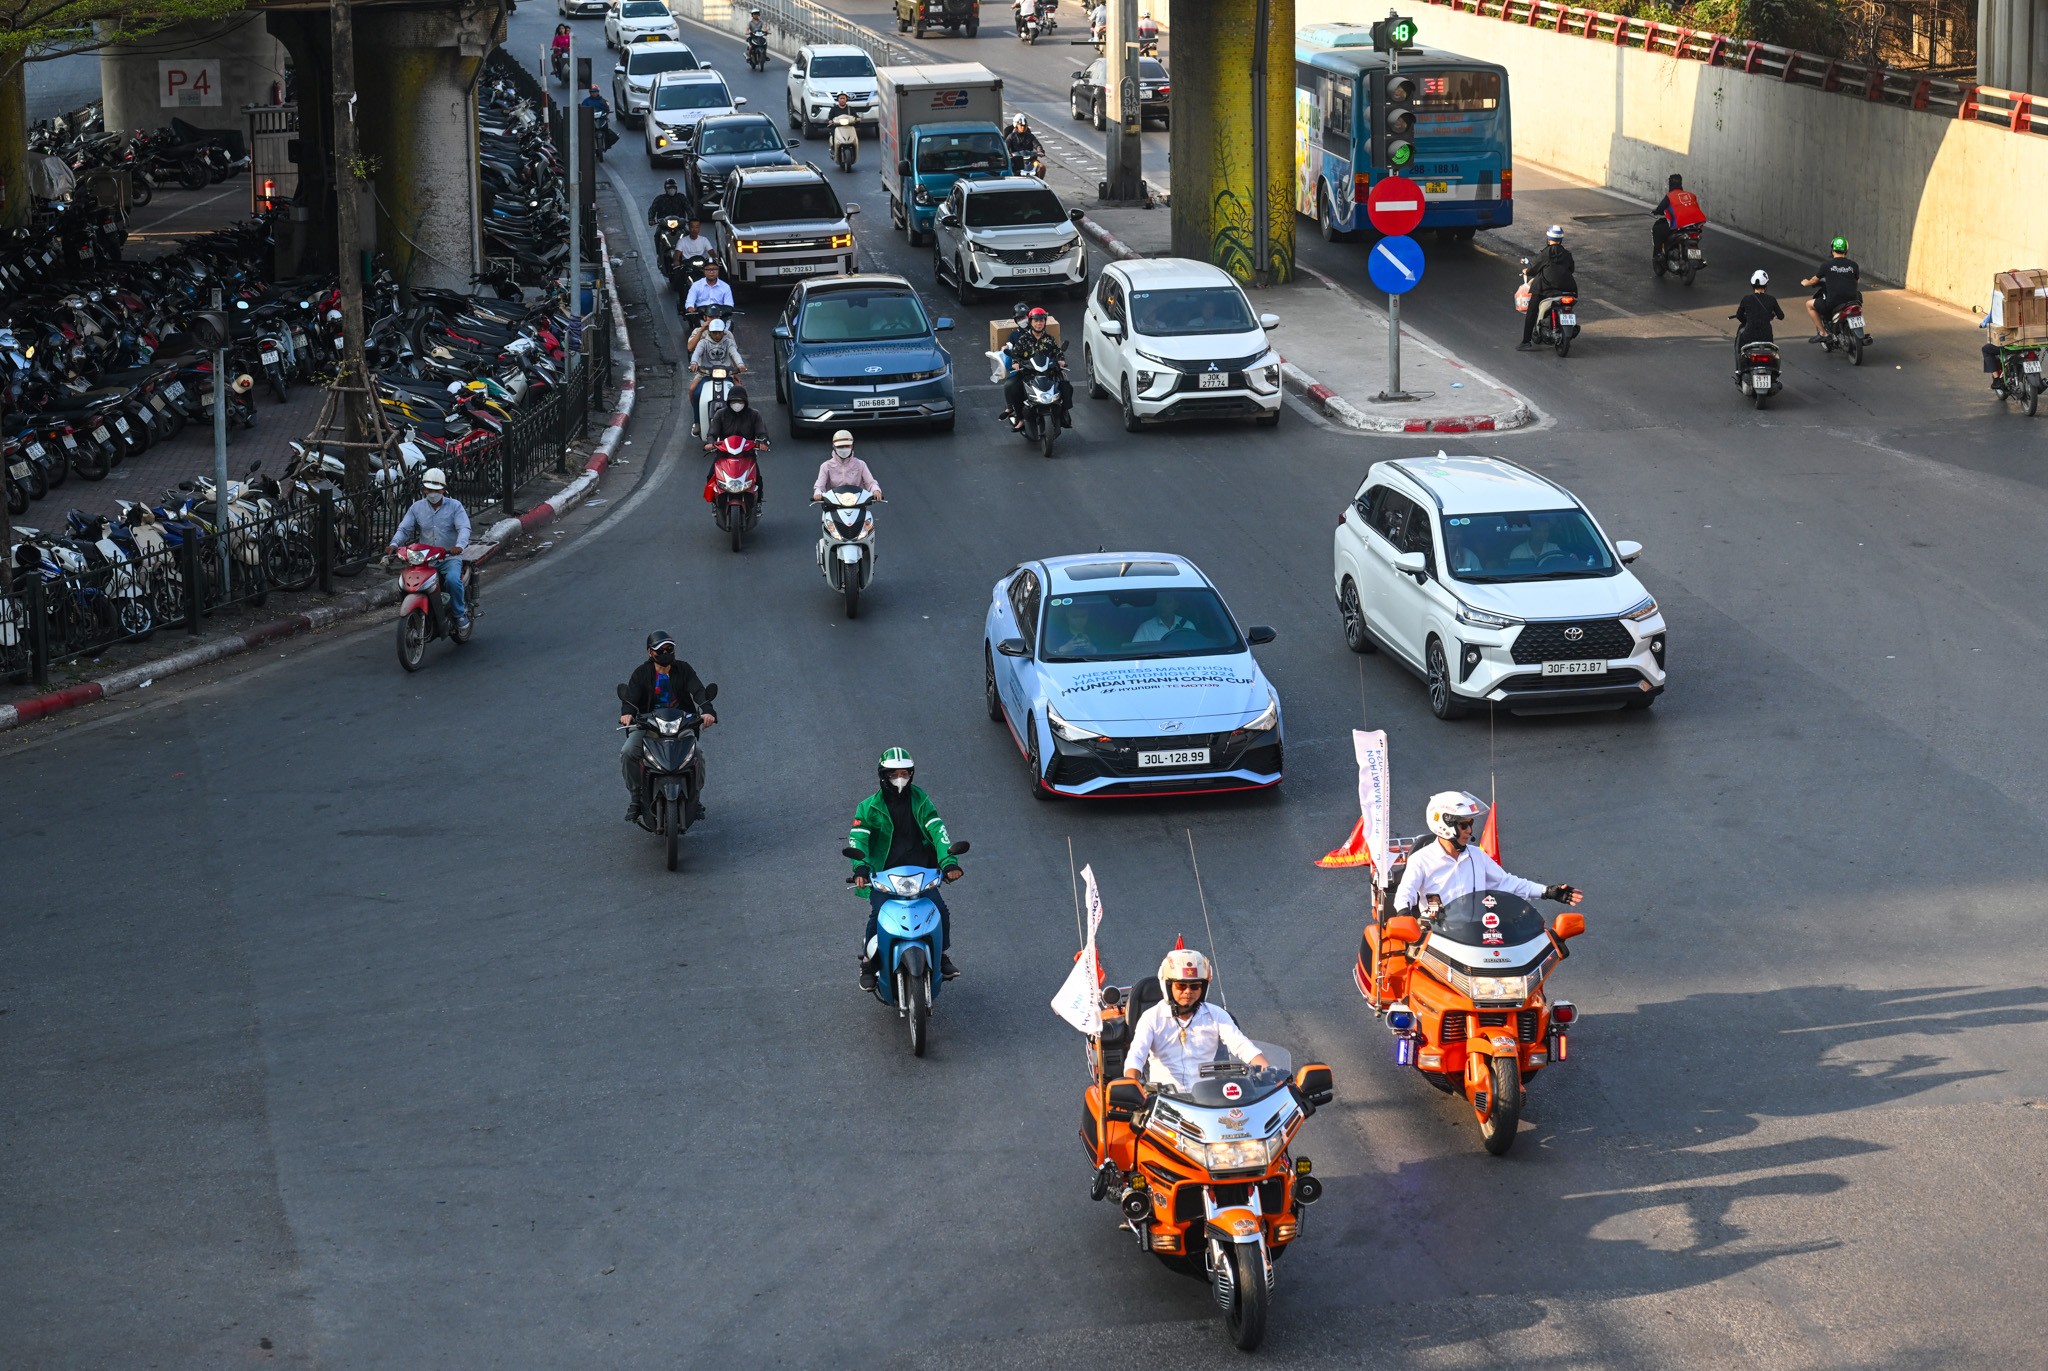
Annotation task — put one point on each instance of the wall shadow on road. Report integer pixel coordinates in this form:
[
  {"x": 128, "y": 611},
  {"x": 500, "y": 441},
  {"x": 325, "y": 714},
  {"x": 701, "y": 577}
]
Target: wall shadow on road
[{"x": 1651, "y": 1187}]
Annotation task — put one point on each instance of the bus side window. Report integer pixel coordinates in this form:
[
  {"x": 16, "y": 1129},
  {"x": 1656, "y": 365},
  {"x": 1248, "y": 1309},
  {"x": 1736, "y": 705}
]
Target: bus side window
[{"x": 1334, "y": 95}]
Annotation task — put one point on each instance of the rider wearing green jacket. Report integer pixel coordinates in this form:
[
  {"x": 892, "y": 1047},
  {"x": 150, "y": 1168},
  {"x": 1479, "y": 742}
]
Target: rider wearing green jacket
[{"x": 899, "y": 825}]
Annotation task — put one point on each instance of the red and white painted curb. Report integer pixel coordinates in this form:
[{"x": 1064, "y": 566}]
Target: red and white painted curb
[
  {"x": 1339, "y": 410},
  {"x": 362, "y": 601}
]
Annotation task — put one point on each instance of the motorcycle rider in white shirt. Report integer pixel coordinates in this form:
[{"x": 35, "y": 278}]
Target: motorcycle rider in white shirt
[
  {"x": 1179, "y": 1036},
  {"x": 1451, "y": 866}
]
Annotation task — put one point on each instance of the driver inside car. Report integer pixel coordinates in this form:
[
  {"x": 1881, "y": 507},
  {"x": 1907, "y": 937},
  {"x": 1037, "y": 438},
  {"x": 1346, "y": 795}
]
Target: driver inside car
[
  {"x": 1537, "y": 545},
  {"x": 1166, "y": 620},
  {"x": 1181, "y": 1034}
]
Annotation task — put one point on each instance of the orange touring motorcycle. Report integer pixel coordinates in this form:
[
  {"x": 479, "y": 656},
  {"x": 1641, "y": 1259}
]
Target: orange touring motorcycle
[
  {"x": 1205, "y": 1179},
  {"x": 1462, "y": 988}
]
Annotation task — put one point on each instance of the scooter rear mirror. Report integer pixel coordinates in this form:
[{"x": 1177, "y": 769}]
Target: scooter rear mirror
[
  {"x": 1403, "y": 928},
  {"x": 710, "y": 692},
  {"x": 853, "y": 852},
  {"x": 1569, "y": 924},
  {"x": 958, "y": 849}
]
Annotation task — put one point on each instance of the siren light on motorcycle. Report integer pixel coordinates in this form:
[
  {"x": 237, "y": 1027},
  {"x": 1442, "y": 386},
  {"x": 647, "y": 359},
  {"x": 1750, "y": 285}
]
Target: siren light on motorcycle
[{"x": 1401, "y": 1020}]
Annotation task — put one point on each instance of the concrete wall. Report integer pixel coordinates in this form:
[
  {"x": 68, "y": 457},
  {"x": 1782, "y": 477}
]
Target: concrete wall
[
  {"x": 250, "y": 61},
  {"x": 1931, "y": 203},
  {"x": 1215, "y": 201}
]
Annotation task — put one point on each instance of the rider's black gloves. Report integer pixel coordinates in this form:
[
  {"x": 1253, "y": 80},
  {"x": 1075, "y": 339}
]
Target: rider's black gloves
[{"x": 1560, "y": 892}]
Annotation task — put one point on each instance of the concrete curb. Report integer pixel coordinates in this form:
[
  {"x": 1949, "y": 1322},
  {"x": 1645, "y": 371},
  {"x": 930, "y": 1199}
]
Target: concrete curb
[
  {"x": 362, "y": 601},
  {"x": 1335, "y": 407}
]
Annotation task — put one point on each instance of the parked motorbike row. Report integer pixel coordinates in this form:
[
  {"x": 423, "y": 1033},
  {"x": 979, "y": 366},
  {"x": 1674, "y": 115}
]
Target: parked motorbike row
[
  {"x": 526, "y": 216},
  {"x": 179, "y": 154}
]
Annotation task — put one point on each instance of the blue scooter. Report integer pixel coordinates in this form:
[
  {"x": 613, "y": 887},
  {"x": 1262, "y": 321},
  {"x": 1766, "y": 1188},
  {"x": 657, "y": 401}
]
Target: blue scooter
[{"x": 906, "y": 945}]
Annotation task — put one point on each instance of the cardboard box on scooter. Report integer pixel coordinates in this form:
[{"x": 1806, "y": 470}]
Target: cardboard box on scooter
[{"x": 999, "y": 331}]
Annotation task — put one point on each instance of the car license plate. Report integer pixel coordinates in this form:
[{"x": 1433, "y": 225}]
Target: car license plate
[
  {"x": 18, "y": 470},
  {"x": 1213, "y": 380},
  {"x": 2030, "y": 366},
  {"x": 35, "y": 450},
  {"x": 175, "y": 389},
  {"x": 269, "y": 356},
  {"x": 1436, "y": 187},
  {"x": 1589, "y": 668},
  {"x": 1187, "y": 756},
  {"x": 876, "y": 402},
  {"x": 1568, "y": 320},
  {"x": 121, "y": 424},
  {"x": 1031, "y": 271},
  {"x": 799, "y": 269}
]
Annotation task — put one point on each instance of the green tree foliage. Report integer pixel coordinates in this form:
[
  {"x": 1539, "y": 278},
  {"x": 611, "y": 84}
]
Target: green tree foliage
[{"x": 1820, "y": 26}]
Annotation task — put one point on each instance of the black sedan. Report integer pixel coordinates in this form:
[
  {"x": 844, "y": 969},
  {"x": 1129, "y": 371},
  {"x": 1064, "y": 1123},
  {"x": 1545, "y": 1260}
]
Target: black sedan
[
  {"x": 1088, "y": 97},
  {"x": 726, "y": 142}
]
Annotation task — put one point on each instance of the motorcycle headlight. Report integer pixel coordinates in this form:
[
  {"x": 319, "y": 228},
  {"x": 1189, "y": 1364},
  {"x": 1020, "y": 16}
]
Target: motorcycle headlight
[
  {"x": 1498, "y": 987},
  {"x": 1247, "y": 1154},
  {"x": 907, "y": 885},
  {"x": 1071, "y": 732},
  {"x": 1484, "y": 618},
  {"x": 1640, "y": 613}
]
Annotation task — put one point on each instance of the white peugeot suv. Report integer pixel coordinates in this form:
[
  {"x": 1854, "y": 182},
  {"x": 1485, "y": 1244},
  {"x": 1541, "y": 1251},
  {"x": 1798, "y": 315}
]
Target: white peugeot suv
[
  {"x": 1494, "y": 584},
  {"x": 1172, "y": 338}
]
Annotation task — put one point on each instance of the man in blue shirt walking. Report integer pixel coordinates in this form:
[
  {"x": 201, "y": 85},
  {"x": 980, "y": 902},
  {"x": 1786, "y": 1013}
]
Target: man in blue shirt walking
[{"x": 439, "y": 521}]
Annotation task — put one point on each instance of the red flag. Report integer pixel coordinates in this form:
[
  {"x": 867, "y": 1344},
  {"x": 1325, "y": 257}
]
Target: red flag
[
  {"x": 1489, "y": 837},
  {"x": 1354, "y": 852}
]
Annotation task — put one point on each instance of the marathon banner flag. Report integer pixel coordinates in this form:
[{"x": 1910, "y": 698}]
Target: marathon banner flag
[{"x": 1079, "y": 1000}]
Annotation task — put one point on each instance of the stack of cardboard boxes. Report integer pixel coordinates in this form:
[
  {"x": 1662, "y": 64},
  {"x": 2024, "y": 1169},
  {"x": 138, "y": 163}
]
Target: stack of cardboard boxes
[{"x": 2019, "y": 307}]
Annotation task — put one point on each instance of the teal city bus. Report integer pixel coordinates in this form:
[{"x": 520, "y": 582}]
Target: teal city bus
[{"x": 1440, "y": 120}]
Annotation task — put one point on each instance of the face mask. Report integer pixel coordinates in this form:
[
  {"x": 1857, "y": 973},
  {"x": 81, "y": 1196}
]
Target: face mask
[
  {"x": 434, "y": 498},
  {"x": 842, "y": 453},
  {"x": 665, "y": 656},
  {"x": 900, "y": 782},
  {"x": 737, "y": 407}
]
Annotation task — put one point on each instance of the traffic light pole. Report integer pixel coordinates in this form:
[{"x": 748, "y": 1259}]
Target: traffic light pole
[{"x": 1393, "y": 391}]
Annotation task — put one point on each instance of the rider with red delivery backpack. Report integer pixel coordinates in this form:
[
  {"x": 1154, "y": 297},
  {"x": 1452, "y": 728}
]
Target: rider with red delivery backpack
[{"x": 1679, "y": 208}]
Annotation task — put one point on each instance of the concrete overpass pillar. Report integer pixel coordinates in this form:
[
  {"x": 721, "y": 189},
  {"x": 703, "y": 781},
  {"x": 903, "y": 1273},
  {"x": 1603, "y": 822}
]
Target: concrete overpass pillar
[
  {"x": 2012, "y": 45},
  {"x": 251, "y": 62},
  {"x": 416, "y": 74},
  {"x": 1214, "y": 204}
]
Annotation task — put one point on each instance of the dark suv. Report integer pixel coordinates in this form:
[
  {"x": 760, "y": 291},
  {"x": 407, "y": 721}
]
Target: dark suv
[
  {"x": 782, "y": 223},
  {"x": 727, "y": 142}
]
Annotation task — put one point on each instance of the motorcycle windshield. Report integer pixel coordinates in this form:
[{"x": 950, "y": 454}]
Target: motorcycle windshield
[
  {"x": 1231, "y": 1084},
  {"x": 1490, "y": 918}
]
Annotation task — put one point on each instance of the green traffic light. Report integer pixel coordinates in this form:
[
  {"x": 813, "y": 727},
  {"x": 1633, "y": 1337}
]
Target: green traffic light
[
  {"x": 1400, "y": 154},
  {"x": 1404, "y": 33}
]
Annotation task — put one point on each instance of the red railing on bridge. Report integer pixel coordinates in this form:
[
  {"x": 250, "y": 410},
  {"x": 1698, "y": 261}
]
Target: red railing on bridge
[{"x": 1879, "y": 84}]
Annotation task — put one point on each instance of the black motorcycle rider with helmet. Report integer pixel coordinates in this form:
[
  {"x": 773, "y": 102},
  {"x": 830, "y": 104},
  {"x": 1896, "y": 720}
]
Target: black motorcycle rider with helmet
[{"x": 661, "y": 682}]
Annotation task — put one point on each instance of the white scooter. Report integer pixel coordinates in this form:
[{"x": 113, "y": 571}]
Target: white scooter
[
  {"x": 711, "y": 398},
  {"x": 845, "y": 140},
  {"x": 846, "y": 543}
]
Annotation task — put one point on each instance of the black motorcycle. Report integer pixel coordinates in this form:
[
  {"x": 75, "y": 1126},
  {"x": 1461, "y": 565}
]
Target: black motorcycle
[
  {"x": 1846, "y": 331},
  {"x": 757, "y": 51},
  {"x": 1758, "y": 375},
  {"x": 666, "y": 767},
  {"x": 1682, "y": 254}
]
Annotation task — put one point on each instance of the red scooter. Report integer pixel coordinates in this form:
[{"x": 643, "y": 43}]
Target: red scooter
[
  {"x": 425, "y": 613},
  {"x": 733, "y": 490}
]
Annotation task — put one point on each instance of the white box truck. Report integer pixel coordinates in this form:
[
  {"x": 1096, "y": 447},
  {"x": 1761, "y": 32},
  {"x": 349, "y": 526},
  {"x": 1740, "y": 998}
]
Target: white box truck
[{"x": 938, "y": 124}]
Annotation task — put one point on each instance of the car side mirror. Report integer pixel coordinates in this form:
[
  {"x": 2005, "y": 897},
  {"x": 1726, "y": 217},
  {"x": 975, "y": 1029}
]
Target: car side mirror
[
  {"x": 958, "y": 849},
  {"x": 1112, "y": 329},
  {"x": 1013, "y": 647},
  {"x": 903, "y": 167},
  {"x": 1258, "y": 635},
  {"x": 1411, "y": 564},
  {"x": 1269, "y": 322},
  {"x": 852, "y": 209},
  {"x": 1569, "y": 924},
  {"x": 738, "y": 100},
  {"x": 941, "y": 324},
  {"x": 780, "y": 331},
  {"x": 1076, "y": 215},
  {"x": 718, "y": 215},
  {"x": 947, "y": 217},
  {"x": 1627, "y": 551},
  {"x": 855, "y": 853},
  {"x": 793, "y": 145},
  {"x": 1403, "y": 928},
  {"x": 1080, "y": 76}
]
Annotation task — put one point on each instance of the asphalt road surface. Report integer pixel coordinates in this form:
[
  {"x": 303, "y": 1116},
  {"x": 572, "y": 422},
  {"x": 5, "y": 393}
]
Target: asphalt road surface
[{"x": 345, "y": 1024}]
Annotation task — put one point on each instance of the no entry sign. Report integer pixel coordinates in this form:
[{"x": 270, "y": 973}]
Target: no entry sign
[{"x": 1395, "y": 206}]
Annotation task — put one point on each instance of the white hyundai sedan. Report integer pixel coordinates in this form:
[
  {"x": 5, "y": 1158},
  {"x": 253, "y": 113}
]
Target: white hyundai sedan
[
  {"x": 1171, "y": 338},
  {"x": 1495, "y": 585}
]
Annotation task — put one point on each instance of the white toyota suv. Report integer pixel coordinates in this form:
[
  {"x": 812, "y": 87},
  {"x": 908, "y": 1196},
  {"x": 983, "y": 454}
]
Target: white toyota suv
[
  {"x": 1173, "y": 338},
  {"x": 823, "y": 71},
  {"x": 1494, "y": 584}
]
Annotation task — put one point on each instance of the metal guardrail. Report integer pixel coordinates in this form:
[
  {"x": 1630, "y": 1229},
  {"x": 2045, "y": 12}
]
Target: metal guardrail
[
  {"x": 808, "y": 23},
  {"x": 1876, "y": 83}
]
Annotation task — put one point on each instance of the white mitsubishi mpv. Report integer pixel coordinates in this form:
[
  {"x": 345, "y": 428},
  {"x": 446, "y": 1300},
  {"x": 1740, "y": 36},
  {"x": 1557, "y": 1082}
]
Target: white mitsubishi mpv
[{"x": 1494, "y": 584}]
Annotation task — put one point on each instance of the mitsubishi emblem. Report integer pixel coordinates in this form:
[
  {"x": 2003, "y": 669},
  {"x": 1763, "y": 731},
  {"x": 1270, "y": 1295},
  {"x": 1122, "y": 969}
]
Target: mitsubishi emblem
[
  {"x": 1574, "y": 633},
  {"x": 1214, "y": 367}
]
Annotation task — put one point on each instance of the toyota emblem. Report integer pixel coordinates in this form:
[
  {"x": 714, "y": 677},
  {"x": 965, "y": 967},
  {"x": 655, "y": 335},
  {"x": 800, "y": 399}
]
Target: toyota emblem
[{"x": 1574, "y": 633}]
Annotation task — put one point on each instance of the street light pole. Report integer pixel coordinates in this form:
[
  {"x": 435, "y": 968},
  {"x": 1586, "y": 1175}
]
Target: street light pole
[
  {"x": 573, "y": 116},
  {"x": 353, "y": 383}
]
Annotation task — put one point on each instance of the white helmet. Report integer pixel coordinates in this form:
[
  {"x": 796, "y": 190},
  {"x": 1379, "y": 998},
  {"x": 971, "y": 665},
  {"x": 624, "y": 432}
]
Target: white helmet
[
  {"x": 1183, "y": 964},
  {"x": 1759, "y": 278},
  {"x": 1446, "y": 807},
  {"x": 434, "y": 479}
]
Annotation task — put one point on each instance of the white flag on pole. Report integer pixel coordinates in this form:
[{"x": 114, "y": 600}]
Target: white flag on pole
[
  {"x": 1373, "y": 796},
  {"x": 1077, "y": 1001}
]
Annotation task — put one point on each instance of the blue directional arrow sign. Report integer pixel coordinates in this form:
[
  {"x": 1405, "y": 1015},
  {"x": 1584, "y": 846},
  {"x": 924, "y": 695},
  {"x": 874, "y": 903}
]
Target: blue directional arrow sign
[{"x": 1396, "y": 265}]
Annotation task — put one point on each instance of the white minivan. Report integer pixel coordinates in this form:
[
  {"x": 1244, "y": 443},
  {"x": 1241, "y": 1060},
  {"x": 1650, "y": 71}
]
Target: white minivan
[{"x": 1172, "y": 338}]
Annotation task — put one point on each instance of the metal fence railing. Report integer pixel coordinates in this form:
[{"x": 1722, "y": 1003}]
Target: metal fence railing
[
  {"x": 1875, "y": 82},
  {"x": 798, "y": 22}
]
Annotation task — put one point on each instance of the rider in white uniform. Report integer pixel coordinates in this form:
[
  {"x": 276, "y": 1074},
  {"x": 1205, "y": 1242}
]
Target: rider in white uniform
[
  {"x": 1178, "y": 1036},
  {"x": 1451, "y": 866}
]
